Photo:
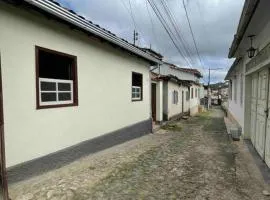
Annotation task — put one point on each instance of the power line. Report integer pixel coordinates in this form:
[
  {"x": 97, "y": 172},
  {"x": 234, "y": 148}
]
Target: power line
[
  {"x": 177, "y": 30},
  {"x": 174, "y": 38},
  {"x": 133, "y": 18},
  {"x": 167, "y": 28},
  {"x": 151, "y": 21},
  {"x": 126, "y": 8},
  {"x": 193, "y": 37},
  {"x": 192, "y": 34}
]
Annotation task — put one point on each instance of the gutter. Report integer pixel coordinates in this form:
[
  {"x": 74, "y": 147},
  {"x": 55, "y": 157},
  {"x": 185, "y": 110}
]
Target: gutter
[
  {"x": 246, "y": 16},
  {"x": 74, "y": 19}
]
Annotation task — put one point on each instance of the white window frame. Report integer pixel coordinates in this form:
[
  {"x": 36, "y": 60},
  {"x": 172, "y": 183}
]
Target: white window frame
[
  {"x": 57, "y": 102},
  {"x": 139, "y": 92}
]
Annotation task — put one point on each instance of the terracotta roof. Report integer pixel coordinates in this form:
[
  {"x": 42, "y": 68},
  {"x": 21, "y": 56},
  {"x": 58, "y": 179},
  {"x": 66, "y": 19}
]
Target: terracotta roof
[{"x": 65, "y": 15}]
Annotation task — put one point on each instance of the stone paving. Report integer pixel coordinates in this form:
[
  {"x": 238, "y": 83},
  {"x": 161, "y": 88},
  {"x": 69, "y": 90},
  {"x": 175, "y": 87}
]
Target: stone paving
[{"x": 188, "y": 159}]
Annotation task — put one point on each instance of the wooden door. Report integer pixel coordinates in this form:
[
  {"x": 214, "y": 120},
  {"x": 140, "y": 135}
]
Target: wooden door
[
  {"x": 254, "y": 95},
  {"x": 3, "y": 174},
  {"x": 154, "y": 101},
  {"x": 261, "y": 115}
]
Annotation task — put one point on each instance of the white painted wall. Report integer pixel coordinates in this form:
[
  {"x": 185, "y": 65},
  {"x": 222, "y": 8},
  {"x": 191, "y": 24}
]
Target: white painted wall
[
  {"x": 159, "y": 101},
  {"x": 104, "y": 87},
  {"x": 176, "y": 109},
  {"x": 195, "y": 101},
  {"x": 167, "y": 70},
  {"x": 235, "y": 106}
]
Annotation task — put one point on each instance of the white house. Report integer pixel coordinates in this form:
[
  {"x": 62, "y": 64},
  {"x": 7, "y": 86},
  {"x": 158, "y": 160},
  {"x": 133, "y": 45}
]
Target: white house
[
  {"x": 69, "y": 87},
  {"x": 175, "y": 97},
  {"x": 249, "y": 76},
  {"x": 184, "y": 74}
]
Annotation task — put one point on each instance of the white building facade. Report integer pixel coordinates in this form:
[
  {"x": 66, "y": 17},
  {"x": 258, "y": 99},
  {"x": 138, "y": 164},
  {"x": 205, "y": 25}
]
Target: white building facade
[
  {"x": 249, "y": 76},
  {"x": 63, "y": 88},
  {"x": 192, "y": 76}
]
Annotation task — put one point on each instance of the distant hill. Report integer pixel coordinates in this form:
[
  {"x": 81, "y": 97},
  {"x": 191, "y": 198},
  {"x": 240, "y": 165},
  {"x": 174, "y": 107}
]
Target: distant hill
[{"x": 219, "y": 85}]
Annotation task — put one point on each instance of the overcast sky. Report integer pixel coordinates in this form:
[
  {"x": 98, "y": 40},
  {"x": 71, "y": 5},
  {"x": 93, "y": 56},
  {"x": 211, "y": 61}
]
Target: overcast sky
[{"x": 214, "y": 23}]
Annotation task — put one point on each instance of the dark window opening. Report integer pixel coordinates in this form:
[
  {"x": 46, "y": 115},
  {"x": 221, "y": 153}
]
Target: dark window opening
[
  {"x": 55, "y": 66},
  {"x": 137, "y": 86},
  {"x": 56, "y": 79}
]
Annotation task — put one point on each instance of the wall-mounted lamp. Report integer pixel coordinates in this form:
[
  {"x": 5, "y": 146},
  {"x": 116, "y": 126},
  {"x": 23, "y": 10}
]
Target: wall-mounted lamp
[{"x": 251, "y": 51}]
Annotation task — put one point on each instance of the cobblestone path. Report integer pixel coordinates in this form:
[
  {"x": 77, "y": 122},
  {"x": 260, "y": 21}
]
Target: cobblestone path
[{"x": 190, "y": 159}]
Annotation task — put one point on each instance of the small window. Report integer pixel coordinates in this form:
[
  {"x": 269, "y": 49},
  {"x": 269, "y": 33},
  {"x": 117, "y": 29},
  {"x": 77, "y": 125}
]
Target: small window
[
  {"x": 56, "y": 79},
  {"x": 137, "y": 87},
  {"x": 192, "y": 93},
  {"x": 235, "y": 88},
  {"x": 241, "y": 89},
  {"x": 196, "y": 92},
  {"x": 230, "y": 89},
  {"x": 187, "y": 95},
  {"x": 175, "y": 97}
]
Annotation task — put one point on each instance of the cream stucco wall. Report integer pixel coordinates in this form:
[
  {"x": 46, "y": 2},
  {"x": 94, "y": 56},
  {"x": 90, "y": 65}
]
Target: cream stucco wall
[
  {"x": 104, "y": 87},
  {"x": 176, "y": 109},
  {"x": 195, "y": 101},
  {"x": 235, "y": 106}
]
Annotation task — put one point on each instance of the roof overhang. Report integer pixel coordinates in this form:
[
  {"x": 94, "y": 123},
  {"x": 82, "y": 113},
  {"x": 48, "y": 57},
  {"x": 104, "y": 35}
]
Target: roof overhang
[
  {"x": 235, "y": 63},
  {"x": 80, "y": 22},
  {"x": 249, "y": 9}
]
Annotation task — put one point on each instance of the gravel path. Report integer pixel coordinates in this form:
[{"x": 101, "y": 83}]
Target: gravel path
[{"x": 190, "y": 159}]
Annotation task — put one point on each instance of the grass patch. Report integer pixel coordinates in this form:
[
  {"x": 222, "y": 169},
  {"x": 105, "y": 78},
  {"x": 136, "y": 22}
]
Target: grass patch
[{"x": 172, "y": 127}]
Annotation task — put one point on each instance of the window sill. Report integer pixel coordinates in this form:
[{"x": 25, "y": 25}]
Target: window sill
[
  {"x": 136, "y": 100},
  {"x": 39, "y": 107}
]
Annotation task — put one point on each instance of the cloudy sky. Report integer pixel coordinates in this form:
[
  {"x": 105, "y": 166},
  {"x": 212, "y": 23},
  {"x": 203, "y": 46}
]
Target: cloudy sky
[{"x": 213, "y": 22}]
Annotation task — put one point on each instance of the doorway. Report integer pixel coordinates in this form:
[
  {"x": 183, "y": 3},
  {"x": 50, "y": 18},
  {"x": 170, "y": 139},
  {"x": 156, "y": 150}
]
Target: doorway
[
  {"x": 260, "y": 119},
  {"x": 154, "y": 101}
]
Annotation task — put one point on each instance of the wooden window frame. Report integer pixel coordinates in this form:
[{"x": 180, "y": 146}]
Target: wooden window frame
[
  {"x": 75, "y": 79},
  {"x": 133, "y": 86}
]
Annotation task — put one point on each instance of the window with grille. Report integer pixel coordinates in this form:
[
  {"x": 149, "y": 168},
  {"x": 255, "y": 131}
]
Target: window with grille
[{"x": 56, "y": 79}]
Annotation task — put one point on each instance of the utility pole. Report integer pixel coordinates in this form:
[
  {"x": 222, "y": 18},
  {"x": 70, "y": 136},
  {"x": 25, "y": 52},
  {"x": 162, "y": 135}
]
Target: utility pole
[
  {"x": 208, "y": 89},
  {"x": 135, "y": 36}
]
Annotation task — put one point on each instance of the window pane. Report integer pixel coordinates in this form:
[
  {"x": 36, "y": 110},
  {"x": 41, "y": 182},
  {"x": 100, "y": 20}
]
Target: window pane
[
  {"x": 133, "y": 95},
  {"x": 133, "y": 89},
  {"x": 47, "y": 86},
  {"x": 64, "y": 87},
  {"x": 138, "y": 95},
  {"x": 64, "y": 96},
  {"x": 55, "y": 66},
  {"x": 45, "y": 97}
]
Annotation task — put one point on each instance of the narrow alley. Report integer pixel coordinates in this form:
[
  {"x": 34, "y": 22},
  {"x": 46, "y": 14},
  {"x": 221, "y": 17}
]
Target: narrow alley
[{"x": 188, "y": 159}]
